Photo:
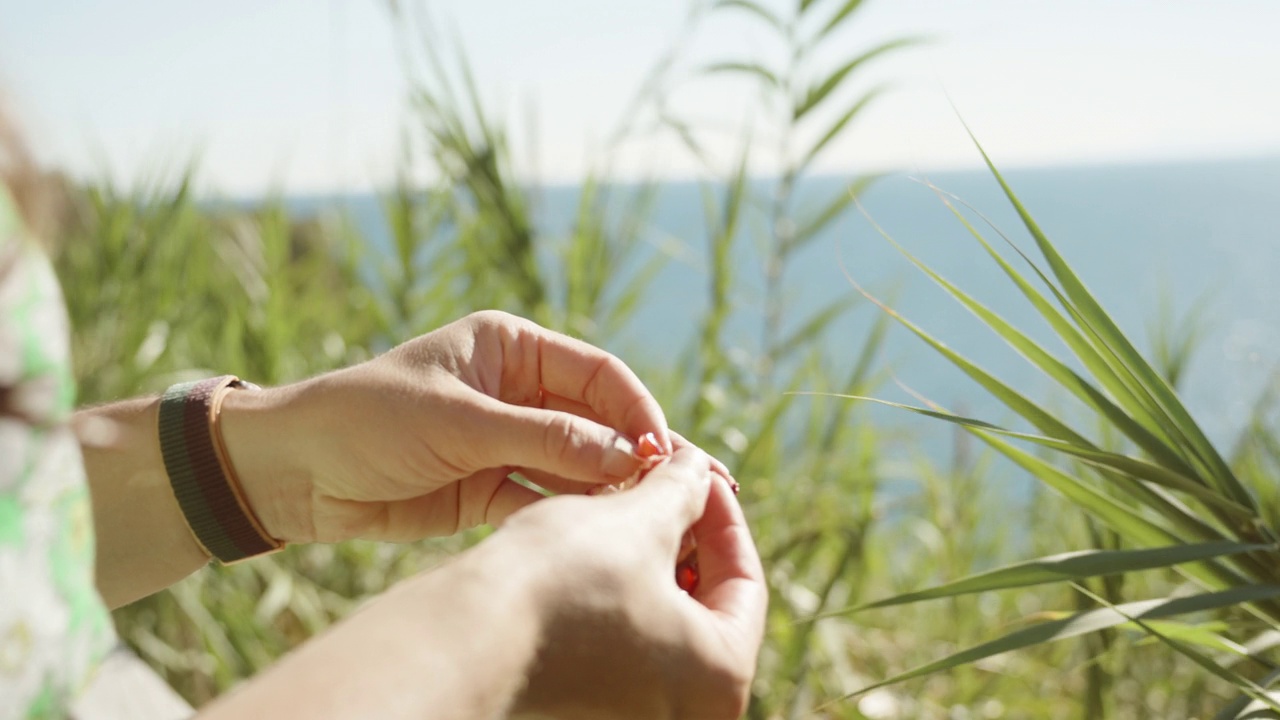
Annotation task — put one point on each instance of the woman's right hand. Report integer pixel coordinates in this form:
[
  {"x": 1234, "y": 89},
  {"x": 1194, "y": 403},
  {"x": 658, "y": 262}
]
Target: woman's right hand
[
  {"x": 569, "y": 611},
  {"x": 618, "y": 638}
]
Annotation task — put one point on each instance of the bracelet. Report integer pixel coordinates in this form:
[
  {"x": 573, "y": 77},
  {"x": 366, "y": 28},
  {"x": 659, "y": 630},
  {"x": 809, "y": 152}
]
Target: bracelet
[{"x": 201, "y": 474}]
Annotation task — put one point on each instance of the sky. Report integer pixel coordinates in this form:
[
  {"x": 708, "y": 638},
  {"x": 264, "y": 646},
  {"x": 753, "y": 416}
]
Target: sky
[{"x": 307, "y": 96}]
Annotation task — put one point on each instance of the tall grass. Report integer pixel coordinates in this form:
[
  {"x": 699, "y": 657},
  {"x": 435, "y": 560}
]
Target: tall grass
[{"x": 161, "y": 287}]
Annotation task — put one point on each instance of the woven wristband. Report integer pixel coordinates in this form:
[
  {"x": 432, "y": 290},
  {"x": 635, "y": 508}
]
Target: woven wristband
[{"x": 201, "y": 475}]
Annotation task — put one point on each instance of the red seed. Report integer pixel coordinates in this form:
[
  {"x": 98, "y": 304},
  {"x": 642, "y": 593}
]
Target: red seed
[
  {"x": 687, "y": 576},
  {"x": 648, "y": 446}
]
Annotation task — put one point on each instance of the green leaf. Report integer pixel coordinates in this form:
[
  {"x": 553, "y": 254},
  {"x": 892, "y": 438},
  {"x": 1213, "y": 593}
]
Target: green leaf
[
  {"x": 815, "y": 325},
  {"x": 1043, "y": 359},
  {"x": 1046, "y": 423},
  {"x": 1206, "y": 635},
  {"x": 1132, "y": 467},
  {"x": 805, "y": 5},
  {"x": 1246, "y": 685},
  {"x": 1246, "y": 708},
  {"x": 820, "y": 91},
  {"x": 1097, "y": 322},
  {"x": 1067, "y": 566},
  {"x": 810, "y": 228},
  {"x": 745, "y": 68},
  {"x": 840, "y": 16},
  {"x": 753, "y": 8},
  {"x": 1083, "y": 623},
  {"x": 837, "y": 127}
]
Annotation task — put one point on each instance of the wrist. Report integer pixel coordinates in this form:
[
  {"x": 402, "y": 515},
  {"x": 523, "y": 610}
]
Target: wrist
[{"x": 271, "y": 470}]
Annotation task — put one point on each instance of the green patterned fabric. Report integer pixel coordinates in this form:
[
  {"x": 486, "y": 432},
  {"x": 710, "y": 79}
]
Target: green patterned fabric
[{"x": 54, "y": 628}]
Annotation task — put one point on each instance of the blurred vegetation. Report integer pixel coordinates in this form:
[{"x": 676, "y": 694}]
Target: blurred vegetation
[{"x": 161, "y": 287}]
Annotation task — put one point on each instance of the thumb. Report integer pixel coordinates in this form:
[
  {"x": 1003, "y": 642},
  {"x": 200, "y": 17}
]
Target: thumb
[
  {"x": 674, "y": 494},
  {"x": 555, "y": 442}
]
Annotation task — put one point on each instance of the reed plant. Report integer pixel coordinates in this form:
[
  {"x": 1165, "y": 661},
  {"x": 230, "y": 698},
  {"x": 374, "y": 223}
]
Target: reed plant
[{"x": 1173, "y": 539}]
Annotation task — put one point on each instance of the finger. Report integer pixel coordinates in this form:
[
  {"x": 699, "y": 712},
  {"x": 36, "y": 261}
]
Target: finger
[
  {"x": 580, "y": 372},
  {"x": 731, "y": 582},
  {"x": 552, "y": 401},
  {"x": 554, "y": 483},
  {"x": 674, "y": 494},
  {"x": 450, "y": 509},
  {"x": 509, "y": 498},
  {"x": 549, "y": 441},
  {"x": 678, "y": 441}
]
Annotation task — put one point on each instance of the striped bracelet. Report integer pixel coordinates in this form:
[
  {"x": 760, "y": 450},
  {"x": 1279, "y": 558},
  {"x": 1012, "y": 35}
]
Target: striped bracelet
[{"x": 201, "y": 474}]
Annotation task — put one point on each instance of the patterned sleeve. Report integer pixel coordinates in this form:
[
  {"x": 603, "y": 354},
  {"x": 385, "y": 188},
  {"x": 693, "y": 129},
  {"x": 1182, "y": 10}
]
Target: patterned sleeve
[{"x": 54, "y": 628}]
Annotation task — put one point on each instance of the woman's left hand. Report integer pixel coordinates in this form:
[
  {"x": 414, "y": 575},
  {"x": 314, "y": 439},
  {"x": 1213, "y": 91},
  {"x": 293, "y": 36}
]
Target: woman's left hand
[{"x": 422, "y": 441}]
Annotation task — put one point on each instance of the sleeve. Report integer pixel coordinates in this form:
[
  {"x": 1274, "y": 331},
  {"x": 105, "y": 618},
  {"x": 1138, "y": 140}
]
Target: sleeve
[{"x": 54, "y": 628}]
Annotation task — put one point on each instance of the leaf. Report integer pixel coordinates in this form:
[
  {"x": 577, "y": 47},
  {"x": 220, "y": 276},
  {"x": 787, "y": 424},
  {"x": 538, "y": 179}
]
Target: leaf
[
  {"x": 840, "y": 16},
  {"x": 1081, "y": 624},
  {"x": 753, "y": 8},
  {"x": 1246, "y": 685},
  {"x": 1206, "y": 635},
  {"x": 1067, "y": 566},
  {"x": 1246, "y": 708},
  {"x": 745, "y": 68},
  {"x": 838, "y": 126},
  {"x": 805, "y": 5},
  {"x": 1043, "y": 359},
  {"x": 1095, "y": 319},
  {"x": 820, "y": 91},
  {"x": 1130, "y": 466},
  {"x": 817, "y": 323},
  {"x": 833, "y": 209},
  {"x": 1045, "y": 422}
]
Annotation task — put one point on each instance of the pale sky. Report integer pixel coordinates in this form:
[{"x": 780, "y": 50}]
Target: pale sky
[{"x": 309, "y": 95}]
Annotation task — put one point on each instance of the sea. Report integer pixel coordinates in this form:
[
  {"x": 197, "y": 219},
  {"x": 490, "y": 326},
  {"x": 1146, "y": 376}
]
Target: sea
[{"x": 1173, "y": 247}]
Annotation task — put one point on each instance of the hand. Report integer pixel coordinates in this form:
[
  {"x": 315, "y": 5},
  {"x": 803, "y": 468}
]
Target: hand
[
  {"x": 619, "y": 639},
  {"x": 569, "y": 611},
  {"x": 422, "y": 440}
]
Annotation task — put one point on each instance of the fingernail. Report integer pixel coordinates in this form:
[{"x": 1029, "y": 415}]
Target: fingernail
[
  {"x": 733, "y": 484},
  {"x": 619, "y": 457}
]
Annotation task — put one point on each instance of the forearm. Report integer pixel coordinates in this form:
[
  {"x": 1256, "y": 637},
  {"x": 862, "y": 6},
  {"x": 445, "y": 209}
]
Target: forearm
[
  {"x": 455, "y": 643},
  {"x": 143, "y": 543}
]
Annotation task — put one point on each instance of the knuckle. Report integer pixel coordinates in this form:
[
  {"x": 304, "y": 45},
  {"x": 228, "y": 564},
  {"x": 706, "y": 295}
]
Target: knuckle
[
  {"x": 561, "y": 439},
  {"x": 490, "y": 317}
]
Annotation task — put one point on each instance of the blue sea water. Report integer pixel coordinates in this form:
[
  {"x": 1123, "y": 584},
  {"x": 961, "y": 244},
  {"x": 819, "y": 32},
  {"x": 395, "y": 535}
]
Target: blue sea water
[{"x": 1177, "y": 236}]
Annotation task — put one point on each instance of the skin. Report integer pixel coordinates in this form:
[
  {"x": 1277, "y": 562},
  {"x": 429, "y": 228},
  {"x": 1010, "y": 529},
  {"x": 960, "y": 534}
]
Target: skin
[{"x": 570, "y": 610}]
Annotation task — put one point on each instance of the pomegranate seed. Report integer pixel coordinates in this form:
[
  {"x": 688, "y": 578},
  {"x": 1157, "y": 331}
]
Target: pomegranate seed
[
  {"x": 687, "y": 576},
  {"x": 648, "y": 446}
]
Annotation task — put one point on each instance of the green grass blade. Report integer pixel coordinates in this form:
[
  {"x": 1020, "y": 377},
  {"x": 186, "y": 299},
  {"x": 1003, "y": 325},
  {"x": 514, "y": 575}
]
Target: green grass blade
[
  {"x": 1011, "y": 398},
  {"x": 1067, "y": 566},
  {"x": 1046, "y": 362},
  {"x": 1103, "y": 366},
  {"x": 836, "y": 19},
  {"x": 838, "y": 126},
  {"x": 752, "y": 8},
  {"x": 745, "y": 68},
  {"x": 1129, "y": 466},
  {"x": 815, "y": 325},
  {"x": 1206, "y": 635},
  {"x": 1245, "y": 685},
  {"x": 1081, "y": 624},
  {"x": 810, "y": 228},
  {"x": 1046, "y": 423},
  {"x": 830, "y": 83},
  {"x": 1246, "y": 708},
  {"x": 1110, "y": 336}
]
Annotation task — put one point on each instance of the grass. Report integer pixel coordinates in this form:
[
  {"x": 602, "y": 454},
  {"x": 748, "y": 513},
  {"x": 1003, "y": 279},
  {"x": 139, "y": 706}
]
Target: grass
[{"x": 1173, "y": 539}]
